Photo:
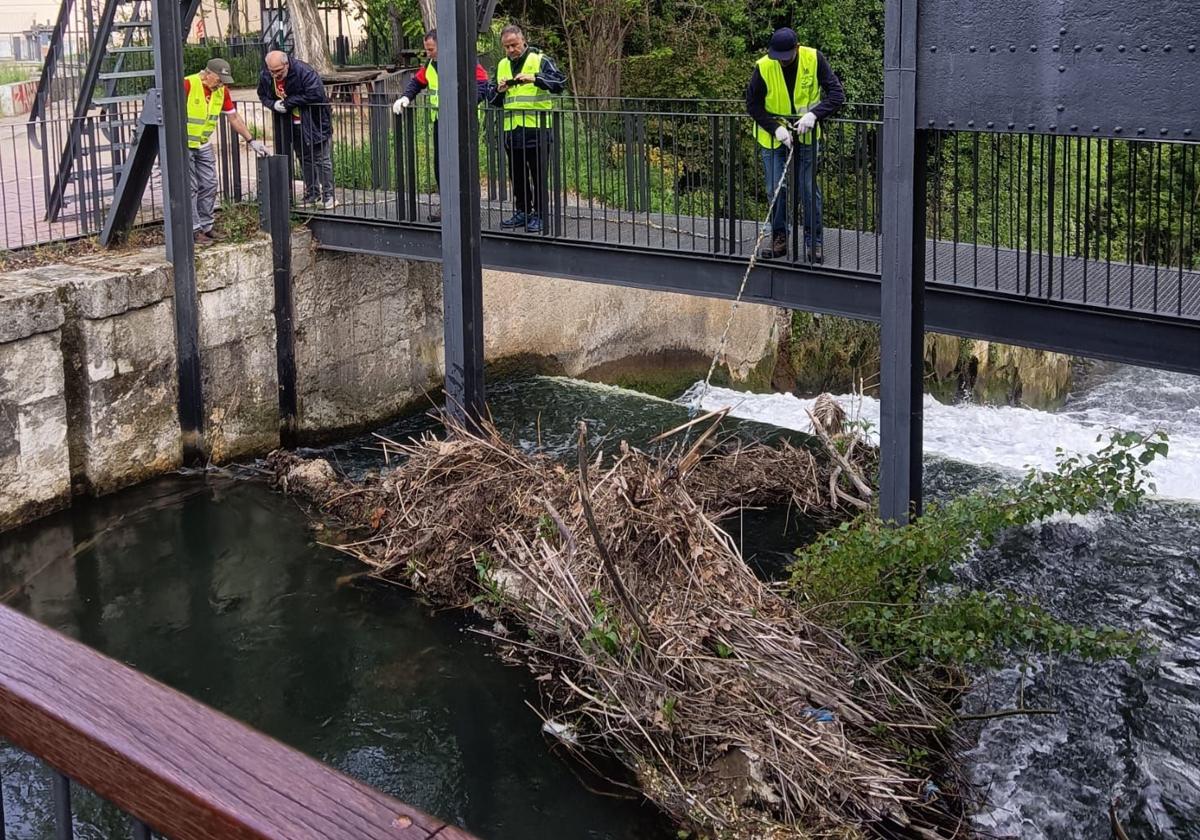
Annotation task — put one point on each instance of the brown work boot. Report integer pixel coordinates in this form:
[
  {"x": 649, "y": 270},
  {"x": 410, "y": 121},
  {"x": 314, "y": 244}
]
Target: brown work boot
[
  {"x": 214, "y": 236},
  {"x": 777, "y": 248},
  {"x": 202, "y": 238}
]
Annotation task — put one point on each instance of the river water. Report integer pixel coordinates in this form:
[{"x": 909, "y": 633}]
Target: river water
[{"x": 217, "y": 587}]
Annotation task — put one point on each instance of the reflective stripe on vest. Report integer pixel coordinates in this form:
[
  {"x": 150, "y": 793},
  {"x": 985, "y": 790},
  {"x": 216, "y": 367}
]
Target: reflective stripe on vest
[
  {"x": 522, "y": 102},
  {"x": 202, "y": 112},
  {"x": 805, "y": 95},
  {"x": 431, "y": 85}
]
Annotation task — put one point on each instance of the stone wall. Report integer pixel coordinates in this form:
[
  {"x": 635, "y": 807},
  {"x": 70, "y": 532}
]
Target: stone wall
[
  {"x": 35, "y": 470},
  {"x": 88, "y": 372}
]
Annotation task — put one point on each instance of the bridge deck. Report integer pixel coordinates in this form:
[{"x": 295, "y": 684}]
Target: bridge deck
[{"x": 1129, "y": 288}]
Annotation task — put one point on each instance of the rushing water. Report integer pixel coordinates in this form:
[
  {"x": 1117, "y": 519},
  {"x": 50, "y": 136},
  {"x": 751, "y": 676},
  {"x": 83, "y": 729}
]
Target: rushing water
[
  {"x": 1127, "y": 731},
  {"x": 216, "y": 587}
]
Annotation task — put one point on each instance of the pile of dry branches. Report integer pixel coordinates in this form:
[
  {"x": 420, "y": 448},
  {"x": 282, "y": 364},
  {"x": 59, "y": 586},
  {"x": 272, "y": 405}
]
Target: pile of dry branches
[{"x": 650, "y": 637}]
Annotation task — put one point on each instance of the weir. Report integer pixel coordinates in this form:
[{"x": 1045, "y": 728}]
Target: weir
[{"x": 903, "y": 253}]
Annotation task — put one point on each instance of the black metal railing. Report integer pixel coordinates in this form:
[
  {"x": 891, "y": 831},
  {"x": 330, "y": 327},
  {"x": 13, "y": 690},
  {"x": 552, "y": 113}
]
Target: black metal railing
[
  {"x": 680, "y": 177},
  {"x": 23, "y": 190},
  {"x": 1104, "y": 222},
  {"x": 1089, "y": 221}
]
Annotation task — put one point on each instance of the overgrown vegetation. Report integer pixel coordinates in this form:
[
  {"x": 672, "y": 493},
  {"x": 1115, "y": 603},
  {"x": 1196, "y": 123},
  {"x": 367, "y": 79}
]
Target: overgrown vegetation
[
  {"x": 889, "y": 589},
  {"x": 10, "y": 73}
]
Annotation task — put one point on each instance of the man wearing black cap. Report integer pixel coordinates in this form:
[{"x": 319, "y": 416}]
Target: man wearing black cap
[
  {"x": 207, "y": 97},
  {"x": 791, "y": 89}
]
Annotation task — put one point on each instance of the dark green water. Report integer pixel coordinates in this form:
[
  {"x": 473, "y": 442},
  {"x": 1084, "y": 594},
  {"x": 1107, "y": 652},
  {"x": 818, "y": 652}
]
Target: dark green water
[{"x": 216, "y": 588}]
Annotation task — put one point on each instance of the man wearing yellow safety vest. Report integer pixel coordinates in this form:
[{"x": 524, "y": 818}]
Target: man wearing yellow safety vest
[
  {"x": 207, "y": 98},
  {"x": 525, "y": 82},
  {"x": 427, "y": 79},
  {"x": 792, "y": 88}
]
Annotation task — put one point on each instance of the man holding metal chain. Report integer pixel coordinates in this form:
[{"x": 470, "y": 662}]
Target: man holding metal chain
[{"x": 792, "y": 88}]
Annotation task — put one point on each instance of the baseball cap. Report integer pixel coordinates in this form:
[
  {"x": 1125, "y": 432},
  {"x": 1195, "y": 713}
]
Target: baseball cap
[
  {"x": 221, "y": 67},
  {"x": 783, "y": 44}
]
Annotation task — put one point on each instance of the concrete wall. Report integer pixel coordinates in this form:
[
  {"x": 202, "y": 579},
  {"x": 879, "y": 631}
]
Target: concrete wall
[
  {"x": 17, "y": 98},
  {"x": 88, "y": 379}
]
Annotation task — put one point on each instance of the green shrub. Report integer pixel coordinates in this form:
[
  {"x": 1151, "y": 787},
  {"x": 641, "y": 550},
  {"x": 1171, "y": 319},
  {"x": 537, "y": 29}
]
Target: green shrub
[{"x": 886, "y": 586}]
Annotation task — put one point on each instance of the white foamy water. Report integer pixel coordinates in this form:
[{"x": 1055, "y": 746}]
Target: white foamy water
[{"x": 1131, "y": 399}]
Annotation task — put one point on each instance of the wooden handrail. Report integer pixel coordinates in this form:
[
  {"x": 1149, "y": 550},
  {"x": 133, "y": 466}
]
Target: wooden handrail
[{"x": 189, "y": 772}]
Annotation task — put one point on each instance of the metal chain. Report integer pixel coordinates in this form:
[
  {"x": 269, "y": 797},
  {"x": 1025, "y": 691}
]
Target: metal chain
[{"x": 692, "y": 409}]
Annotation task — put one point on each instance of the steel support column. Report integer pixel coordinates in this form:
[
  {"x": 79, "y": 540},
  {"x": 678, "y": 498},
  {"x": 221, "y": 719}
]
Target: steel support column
[
  {"x": 903, "y": 277},
  {"x": 462, "y": 274},
  {"x": 177, "y": 220}
]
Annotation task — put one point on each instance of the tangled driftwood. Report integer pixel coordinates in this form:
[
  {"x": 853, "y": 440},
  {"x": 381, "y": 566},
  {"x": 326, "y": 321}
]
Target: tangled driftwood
[{"x": 650, "y": 637}]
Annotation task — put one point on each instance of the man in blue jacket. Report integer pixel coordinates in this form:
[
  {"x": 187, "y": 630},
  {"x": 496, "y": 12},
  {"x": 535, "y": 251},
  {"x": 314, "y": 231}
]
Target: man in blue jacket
[{"x": 289, "y": 86}]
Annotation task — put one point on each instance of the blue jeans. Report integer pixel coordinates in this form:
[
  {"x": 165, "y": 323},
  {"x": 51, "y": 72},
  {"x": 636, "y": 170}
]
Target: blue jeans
[{"x": 803, "y": 180}]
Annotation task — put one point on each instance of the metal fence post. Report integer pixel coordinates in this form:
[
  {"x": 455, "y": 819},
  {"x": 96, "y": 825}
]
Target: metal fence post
[
  {"x": 278, "y": 211},
  {"x": 377, "y": 127}
]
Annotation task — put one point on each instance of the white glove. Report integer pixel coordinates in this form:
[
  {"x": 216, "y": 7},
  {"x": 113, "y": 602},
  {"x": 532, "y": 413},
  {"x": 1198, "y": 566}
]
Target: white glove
[
  {"x": 805, "y": 123},
  {"x": 279, "y": 107},
  {"x": 260, "y": 148},
  {"x": 400, "y": 104},
  {"x": 784, "y": 136}
]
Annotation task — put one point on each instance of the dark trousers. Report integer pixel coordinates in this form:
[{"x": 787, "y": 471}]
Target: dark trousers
[
  {"x": 316, "y": 166},
  {"x": 528, "y": 161}
]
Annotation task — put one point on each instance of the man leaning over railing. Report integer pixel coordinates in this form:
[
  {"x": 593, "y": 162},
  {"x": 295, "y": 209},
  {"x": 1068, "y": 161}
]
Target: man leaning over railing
[
  {"x": 207, "y": 97},
  {"x": 427, "y": 79},
  {"x": 525, "y": 82},
  {"x": 289, "y": 86},
  {"x": 792, "y": 81}
]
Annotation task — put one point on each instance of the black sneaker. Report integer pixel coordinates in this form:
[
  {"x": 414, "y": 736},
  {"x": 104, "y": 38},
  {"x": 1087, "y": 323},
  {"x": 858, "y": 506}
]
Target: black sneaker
[
  {"x": 516, "y": 220},
  {"x": 777, "y": 248},
  {"x": 816, "y": 255}
]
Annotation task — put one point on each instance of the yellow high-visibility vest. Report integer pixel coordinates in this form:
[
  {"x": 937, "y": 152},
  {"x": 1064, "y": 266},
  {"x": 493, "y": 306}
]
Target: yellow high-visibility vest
[
  {"x": 805, "y": 95},
  {"x": 202, "y": 113},
  {"x": 523, "y": 102},
  {"x": 431, "y": 85}
]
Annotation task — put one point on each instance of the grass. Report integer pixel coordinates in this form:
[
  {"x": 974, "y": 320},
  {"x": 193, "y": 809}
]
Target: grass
[{"x": 10, "y": 73}]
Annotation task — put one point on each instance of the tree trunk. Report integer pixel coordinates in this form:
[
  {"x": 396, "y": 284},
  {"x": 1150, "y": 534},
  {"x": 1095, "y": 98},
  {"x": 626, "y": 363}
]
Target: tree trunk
[
  {"x": 235, "y": 25},
  {"x": 595, "y": 45},
  {"x": 308, "y": 32},
  {"x": 429, "y": 14}
]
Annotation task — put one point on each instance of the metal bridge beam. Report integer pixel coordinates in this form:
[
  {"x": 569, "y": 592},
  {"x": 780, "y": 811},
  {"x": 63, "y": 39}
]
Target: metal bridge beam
[{"x": 1095, "y": 332}]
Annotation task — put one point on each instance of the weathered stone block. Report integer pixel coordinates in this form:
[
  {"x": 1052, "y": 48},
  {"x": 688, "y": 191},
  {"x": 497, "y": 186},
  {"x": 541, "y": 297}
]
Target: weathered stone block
[
  {"x": 31, "y": 369},
  {"x": 232, "y": 263},
  {"x": 146, "y": 275},
  {"x": 35, "y": 474},
  {"x": 241, "y": 397},
  {"x": 28, "y": 306}
]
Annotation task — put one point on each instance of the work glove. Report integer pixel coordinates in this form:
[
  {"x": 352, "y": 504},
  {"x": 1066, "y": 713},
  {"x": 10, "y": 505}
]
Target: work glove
[
  {"x": 805, "y": 123},
  {"x": 259, "y": 147},
  {"x": 279, "y": 107},
  {"x": 400, "y": 104},
  {"x": 784, "y": 136}
]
